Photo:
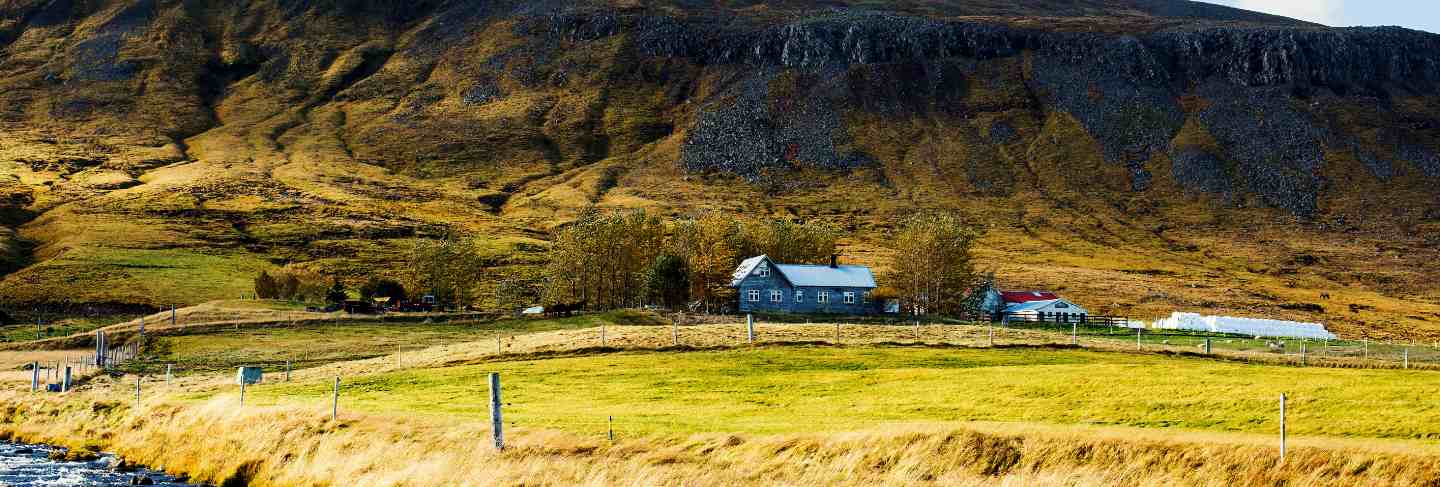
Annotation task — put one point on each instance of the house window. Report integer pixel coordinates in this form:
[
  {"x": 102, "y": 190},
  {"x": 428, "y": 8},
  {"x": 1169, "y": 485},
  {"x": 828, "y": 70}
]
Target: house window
[
  {"x": 866, "y": 297},
  {"x": 754, "y": 295},
  {"x": 823, "y": 297},
  {"x": 1061, "y": 305},
  {"x": 776, "y": 295},
  {"x": 849, "y": 297},
  {"x": 763, "y": 271},
  {"x": 799, "y": 296}
]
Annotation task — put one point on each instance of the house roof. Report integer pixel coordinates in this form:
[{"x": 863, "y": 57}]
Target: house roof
[
  {"x": 1038, "y": 305},
  {"x": 805, "y": 275},
  {"x": 1028, "y": 296},
  {"x": 746, "y": 267},
  {"x": 824, "y": 275}
]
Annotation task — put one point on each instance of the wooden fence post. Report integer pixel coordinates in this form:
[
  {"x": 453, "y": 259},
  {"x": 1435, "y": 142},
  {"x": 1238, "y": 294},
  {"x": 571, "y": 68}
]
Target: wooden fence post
[
  {"x": 169, "y": 375},
  {"x": 65, "y": 382},
  {"x": 242, "y": 389},
  {"x": 1075, "y": 333},
  {"x": 1207, "y": 345},
  {"x": 335, "y": 400},
  {"x": 610, "y": 428},
  {"x": 1407, "y": 358},
  {"x": 1137, "y": 340},
  {"x": 496, "y": 424},
  {"x": 917, "y": 330},
  {"x": 602, "y": 336},
  {"x": 1302, "y": 354},
  {"x": 990, "y": 328},
  {"x": 287, "y": 370},
  {"x": 837, "y": 332},
  {"x": 34, "y": 376},
  {"x": 1282, "y": 427},
  {"x": 675, "y": 333},
  {"x": 137, "y": 390},
  {"x": 99, "y": 349},
  {"x": 750, "y": 327}
]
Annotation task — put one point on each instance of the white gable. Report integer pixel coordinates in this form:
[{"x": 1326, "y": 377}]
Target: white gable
[
  {"x": 746, "y": 267},
  {"x": 1051, "y": 306}
]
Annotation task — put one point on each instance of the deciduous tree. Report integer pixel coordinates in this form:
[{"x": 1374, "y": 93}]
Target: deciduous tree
[{"x": 932, "y": 268}]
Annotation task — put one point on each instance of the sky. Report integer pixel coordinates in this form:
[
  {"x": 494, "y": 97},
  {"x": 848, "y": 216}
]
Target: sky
[{"x": 1415, "y": 14}]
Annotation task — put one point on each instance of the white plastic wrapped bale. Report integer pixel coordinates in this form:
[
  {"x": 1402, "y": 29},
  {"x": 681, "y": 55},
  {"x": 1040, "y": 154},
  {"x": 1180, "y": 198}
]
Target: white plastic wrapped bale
[{"x": 1245, "y": 326}]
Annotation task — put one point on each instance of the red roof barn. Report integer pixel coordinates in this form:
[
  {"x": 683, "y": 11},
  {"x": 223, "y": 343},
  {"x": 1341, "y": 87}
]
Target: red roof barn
[{"x": 1011, "y": 297}]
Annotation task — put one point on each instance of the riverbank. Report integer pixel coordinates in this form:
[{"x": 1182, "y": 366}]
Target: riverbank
[{"x": 25, "y": 465}]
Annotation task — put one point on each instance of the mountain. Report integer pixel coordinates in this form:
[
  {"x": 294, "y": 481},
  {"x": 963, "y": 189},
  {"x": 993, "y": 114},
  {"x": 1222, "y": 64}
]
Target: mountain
[{"x": 1136, "y": 155}]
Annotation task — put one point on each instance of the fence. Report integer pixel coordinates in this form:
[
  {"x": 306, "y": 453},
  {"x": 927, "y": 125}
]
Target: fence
[{"x": 1097, "y": 334}]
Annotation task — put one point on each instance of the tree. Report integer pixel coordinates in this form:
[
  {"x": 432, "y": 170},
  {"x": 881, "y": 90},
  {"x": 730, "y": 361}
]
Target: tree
[
  {"x": 336, "y": 294},
  {"x": 790, "y": 242},
  {"x": 974, "y": 304},
  {"x": 710, "y": 246},
  {"x": 667, "y": 281},
  {"x": 287, "y": 285},
  {"x": 445, "y": 268},
  {"x": 265, "y": 286},
  {"x": 931, "y": 266},
  {"x": 379, "y": 287},
  {"x": 600, "y": 260},
  {"x": 516, "y": 291}
]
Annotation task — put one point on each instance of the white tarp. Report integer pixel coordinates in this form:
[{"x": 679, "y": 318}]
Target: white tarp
[{"x": 1244, "y": 326}]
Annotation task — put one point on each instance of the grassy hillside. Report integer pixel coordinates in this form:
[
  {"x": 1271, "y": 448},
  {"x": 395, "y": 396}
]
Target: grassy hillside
[{"x": 159, "y": 152}]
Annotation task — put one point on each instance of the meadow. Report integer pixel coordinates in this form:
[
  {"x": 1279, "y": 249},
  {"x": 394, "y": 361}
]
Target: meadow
[
  {"x": 799, "y": 388},
  {"x": 878, "y": 408}
]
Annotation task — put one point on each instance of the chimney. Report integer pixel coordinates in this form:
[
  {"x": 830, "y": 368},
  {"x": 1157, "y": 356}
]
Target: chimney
[{"x": 834, "y": 261}]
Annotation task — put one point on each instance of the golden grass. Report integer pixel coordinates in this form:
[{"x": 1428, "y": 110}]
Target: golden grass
[{"x": 288, "y": 446}]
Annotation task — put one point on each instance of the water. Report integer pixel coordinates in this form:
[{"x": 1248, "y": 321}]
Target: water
[{"x": 30, "y": 466}]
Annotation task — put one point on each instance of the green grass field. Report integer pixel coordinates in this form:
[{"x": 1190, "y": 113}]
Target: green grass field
[{"x": 809, "y": 388}]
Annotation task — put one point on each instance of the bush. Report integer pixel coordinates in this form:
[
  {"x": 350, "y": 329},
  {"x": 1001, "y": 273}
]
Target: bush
[
  {"x": 266, "y": 287},
  {"x": 379, "y": 287},
  {"x": 336, "y": 294}
]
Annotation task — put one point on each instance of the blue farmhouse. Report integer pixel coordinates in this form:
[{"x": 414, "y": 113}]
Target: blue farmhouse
[{"x": 765, "y": 286}]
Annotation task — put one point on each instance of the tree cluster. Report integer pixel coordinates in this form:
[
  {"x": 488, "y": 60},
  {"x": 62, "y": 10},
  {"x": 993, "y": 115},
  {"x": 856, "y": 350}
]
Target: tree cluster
[
  {"x": 932, "y": 269},
  {"x": 291, "y": 283},
  {"x": 632, "y": 258},
  {"x": 447, "y": 269}
]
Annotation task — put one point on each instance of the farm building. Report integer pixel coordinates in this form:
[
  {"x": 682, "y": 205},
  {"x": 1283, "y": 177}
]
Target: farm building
[
  {"x": 767, "y": 286},
  {"x": 1033, "y": 306}
]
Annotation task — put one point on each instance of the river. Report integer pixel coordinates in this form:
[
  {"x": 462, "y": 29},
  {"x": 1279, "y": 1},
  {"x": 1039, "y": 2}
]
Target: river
[{"x": 29, "y": 466}]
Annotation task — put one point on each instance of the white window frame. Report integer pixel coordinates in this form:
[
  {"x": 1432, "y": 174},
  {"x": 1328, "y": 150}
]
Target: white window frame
[
  {"x": 799, "y": 295},
  {"x": 763, "y": 270},
  {"x": 754, "y": 295},
  {"x": 823, "y": 297},
  {"x": 849, "y": 297},
  {"x": 777, "y": 296}
]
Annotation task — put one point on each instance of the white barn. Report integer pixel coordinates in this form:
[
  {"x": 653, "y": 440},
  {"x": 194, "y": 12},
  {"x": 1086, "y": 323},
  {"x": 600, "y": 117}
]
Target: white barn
[{"x": 1059, "y": 309}]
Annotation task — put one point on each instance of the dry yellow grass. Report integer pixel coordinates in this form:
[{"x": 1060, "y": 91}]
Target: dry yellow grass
[{"x": 284, "y": 446}]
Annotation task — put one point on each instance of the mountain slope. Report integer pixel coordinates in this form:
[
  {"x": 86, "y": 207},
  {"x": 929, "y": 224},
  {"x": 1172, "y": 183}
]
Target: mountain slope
[{"x": 1140, "y": 155}]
